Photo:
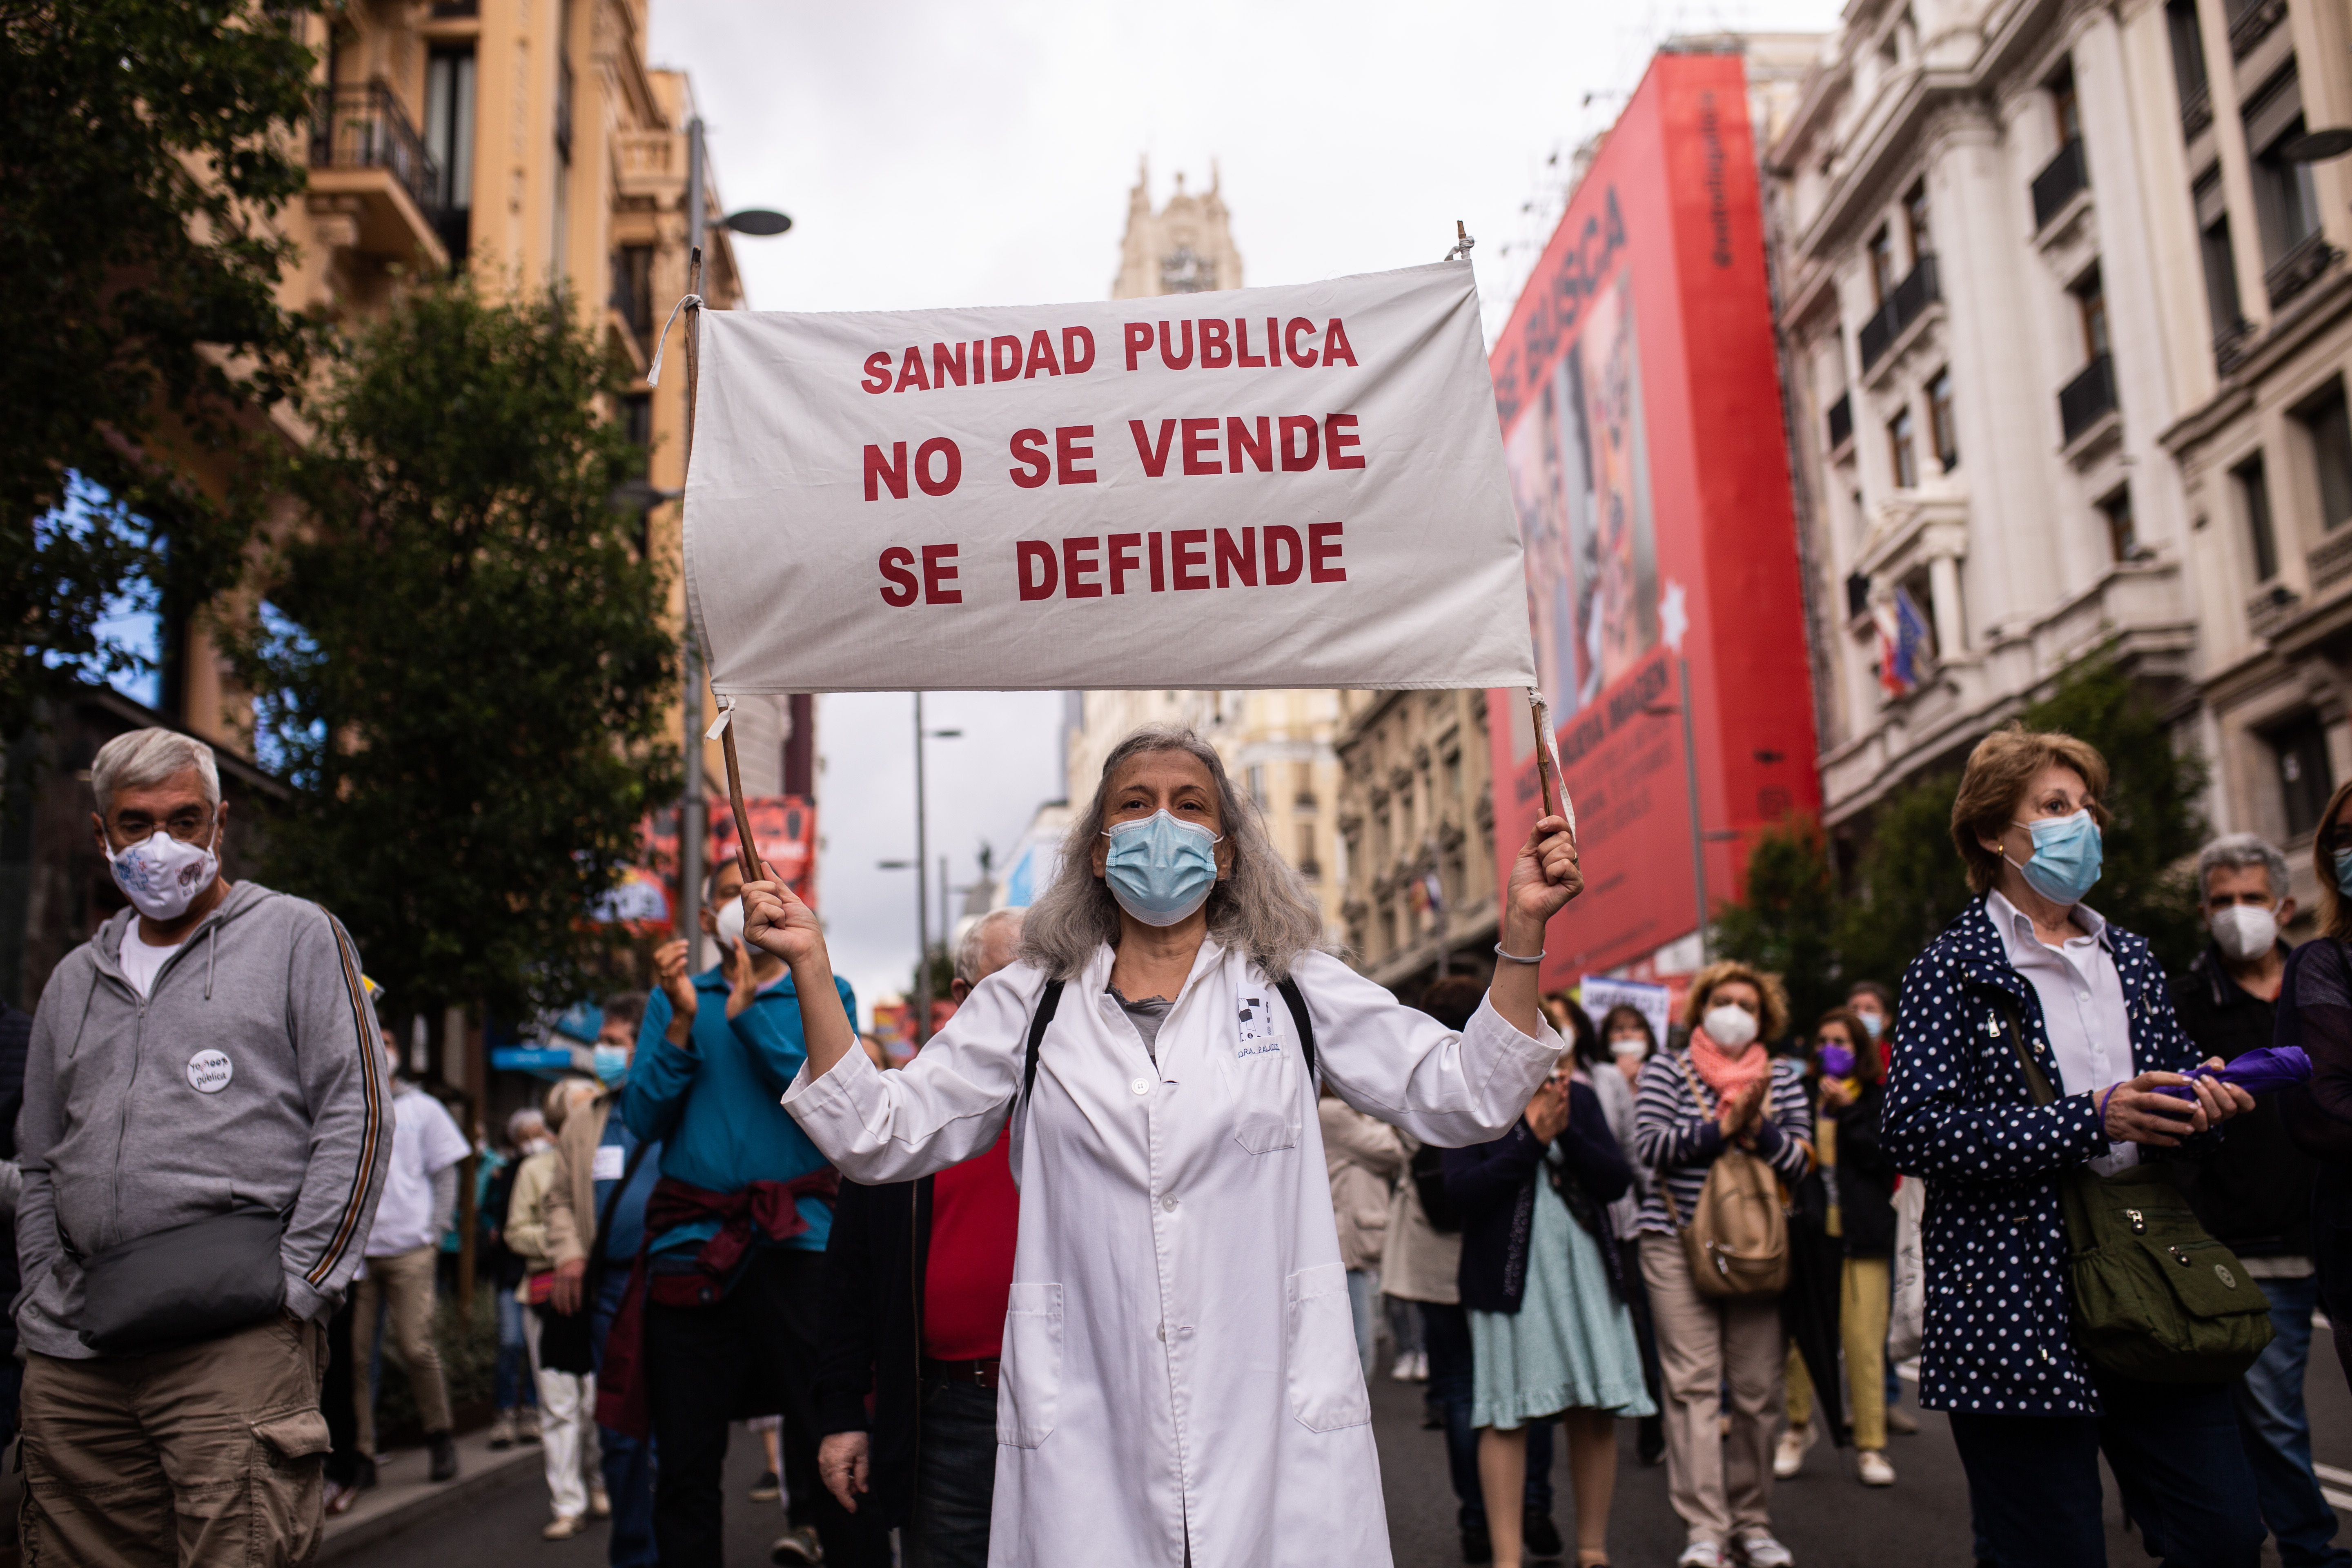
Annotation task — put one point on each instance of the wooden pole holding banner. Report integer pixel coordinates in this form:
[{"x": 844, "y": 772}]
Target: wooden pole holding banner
[{"x": 747, "y": 857}]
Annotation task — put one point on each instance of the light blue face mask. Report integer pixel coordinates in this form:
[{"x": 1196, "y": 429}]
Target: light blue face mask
[
  {"x": 2343, "y": 872},
  {"x": 611, "y": 1063},
  {"x": 2065, "y": 862},
  {"x": 1160, "y": 869}
]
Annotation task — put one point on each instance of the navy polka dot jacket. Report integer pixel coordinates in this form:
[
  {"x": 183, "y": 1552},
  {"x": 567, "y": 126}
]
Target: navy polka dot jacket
[{"x": 1958, "y": 1112}]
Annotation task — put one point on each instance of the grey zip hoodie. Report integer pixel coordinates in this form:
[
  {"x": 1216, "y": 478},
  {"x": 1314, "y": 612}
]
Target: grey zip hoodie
[{"x": 252, "y": 1072}]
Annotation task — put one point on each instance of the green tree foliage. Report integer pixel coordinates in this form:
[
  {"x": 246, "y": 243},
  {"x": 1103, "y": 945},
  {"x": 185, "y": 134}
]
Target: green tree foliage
[
  {"x": 144, "y": 145},
  {"x": 1909, "y": 881},
  {"x": 1787, "y": 920},
  {"x": 462, "y": 666}
]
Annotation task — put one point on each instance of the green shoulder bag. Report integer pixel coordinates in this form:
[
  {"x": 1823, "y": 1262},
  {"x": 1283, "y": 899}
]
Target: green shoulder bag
[{"x": 2155, "y": 1297}]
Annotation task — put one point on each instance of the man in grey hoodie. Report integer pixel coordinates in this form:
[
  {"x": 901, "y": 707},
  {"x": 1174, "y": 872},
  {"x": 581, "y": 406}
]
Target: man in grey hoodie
[{"x": 210, "y": 1050}]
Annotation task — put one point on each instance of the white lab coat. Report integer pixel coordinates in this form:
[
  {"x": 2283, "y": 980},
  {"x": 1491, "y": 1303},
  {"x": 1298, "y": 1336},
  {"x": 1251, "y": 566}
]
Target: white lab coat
[{"x": 1179, "y": 1360}]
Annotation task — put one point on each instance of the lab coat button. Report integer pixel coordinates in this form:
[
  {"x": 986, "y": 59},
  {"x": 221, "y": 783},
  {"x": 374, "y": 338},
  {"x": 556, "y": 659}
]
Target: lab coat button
[
  {"x": 1168, "y": 1203},
  {"x": 1141, "y": 1086},
  {"x": 1162, "y": 1332}
]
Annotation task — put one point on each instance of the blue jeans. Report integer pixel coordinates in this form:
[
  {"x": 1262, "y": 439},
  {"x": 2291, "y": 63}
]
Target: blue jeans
[
  {"x": 2033, "y": 1481},
  {"x": 2277, "y": 1431},
  {"x": 629, "y": 1463},
  {"x": 1446, "y": 1335},
  {"x": 955, "y": 1477},
  {"x": 510, "y": 1386}
]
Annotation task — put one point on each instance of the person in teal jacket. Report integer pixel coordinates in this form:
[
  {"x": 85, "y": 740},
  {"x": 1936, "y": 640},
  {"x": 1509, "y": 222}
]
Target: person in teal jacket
[{"x": 713, "y": 1057}]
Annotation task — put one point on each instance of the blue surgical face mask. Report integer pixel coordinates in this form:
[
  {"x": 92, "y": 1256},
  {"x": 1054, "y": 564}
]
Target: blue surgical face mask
[
  {"x": 611, "y": 1063},
  {"x": 1160, "y": 869},
  {"x": 2343, "y": 872},
  {"x": 2065, "y": 862}
]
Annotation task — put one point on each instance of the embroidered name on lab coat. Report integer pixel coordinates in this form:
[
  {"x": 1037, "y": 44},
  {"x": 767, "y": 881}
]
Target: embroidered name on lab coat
[{"x": 1259, "y": 1036}]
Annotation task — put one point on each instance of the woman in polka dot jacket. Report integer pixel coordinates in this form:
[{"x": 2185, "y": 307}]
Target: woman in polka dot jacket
[{"x": 2029, "y": 1412}]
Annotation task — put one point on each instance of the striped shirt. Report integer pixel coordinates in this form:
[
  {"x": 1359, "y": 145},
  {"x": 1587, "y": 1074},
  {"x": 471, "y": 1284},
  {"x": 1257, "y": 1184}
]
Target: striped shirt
[{"x": 1676, "y": 1133}]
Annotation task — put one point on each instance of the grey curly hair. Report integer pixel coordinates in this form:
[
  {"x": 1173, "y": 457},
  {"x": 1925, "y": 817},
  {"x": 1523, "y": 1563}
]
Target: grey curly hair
[{"x": 1261, "y": 906}]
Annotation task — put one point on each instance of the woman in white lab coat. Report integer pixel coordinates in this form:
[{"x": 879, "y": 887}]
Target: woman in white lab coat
[{"x": 1179, "y": 1380}]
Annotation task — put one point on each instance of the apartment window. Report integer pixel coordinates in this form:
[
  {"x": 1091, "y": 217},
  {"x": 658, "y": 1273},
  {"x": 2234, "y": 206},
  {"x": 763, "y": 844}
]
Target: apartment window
[
  {"x": 1255, "y": 774},
  {"x": 1943, "y": 427},
  {"x": 2324, "y": 425},
  {"x": 2222, "y": 301},
  {"x": 1904, "y": 451},
  {"x": 1454, "y": 774},
  {"x": 2305, "y": 779},
  {"x": 2065, "y": 107},
  {"x": 1308, "y": 864},
  {"x": 450, "y": 124},
  {"x": 638, "y": 426},
  {"x": 2122, "y": 539},
  {"x": 2285, "y": 210},
  {"x": 1302, "y": 782},
  {"x": 2091, "y": 307},
  {"x": 1915, "y": 220},
  {"x": 1919, "y": 587},
  {"x": 632, "y": 288},
  {"x": 1883, "y": 276},
  {"x": 2254, "y": 502},
  {"x": 2188, "y": 53}
]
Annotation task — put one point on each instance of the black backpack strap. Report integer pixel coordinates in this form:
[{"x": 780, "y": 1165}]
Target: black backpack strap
[
  {"x": 1047, "y": 1000},
  {"x": 1295, "y": 1001}
]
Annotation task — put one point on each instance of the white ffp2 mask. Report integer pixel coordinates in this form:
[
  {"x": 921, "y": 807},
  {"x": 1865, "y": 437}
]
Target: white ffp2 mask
[
  {"x": 161, "y": 875},
  {"x": 2245, "y": 931},
  {"x": 1733, "y": 1028}
]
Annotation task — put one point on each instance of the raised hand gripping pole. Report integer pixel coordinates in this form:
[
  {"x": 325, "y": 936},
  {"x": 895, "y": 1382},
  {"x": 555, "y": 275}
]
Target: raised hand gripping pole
[{"x": 1555, "y": 787}]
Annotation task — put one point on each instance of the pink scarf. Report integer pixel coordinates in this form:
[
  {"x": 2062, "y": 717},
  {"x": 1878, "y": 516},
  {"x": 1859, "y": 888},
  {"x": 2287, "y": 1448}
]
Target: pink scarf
[{"x": 1724, "y": 1073}]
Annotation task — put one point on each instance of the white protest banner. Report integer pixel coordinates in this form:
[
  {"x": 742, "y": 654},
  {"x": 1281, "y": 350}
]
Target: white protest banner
[
  {"x": 1654, "y": 1003},
  {"x": 1297, "y": 486}
]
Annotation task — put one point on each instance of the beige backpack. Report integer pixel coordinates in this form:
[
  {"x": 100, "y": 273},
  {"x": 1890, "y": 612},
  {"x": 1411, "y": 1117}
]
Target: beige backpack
[{"x": 1737, "y": 1237}]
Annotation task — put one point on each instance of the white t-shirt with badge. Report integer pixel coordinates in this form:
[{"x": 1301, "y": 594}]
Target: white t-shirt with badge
[{"x": 140, "y": 962}]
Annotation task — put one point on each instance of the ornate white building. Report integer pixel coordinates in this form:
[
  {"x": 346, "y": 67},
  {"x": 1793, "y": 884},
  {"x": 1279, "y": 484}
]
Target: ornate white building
[{"x": 2065, "y": 329}]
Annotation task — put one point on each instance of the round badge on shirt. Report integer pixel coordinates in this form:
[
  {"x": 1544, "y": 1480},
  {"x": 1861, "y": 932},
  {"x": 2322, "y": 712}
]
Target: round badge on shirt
[{"x": 209, "y": 1071}]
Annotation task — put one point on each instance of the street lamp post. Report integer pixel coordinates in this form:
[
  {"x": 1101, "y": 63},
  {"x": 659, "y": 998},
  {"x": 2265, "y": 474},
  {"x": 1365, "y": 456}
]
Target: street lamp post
[
  {"x": 692, "y": 807},
  {"x": 922, "y": 883}
]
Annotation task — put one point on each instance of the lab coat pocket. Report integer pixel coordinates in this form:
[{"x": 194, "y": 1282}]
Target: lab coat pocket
[
  {"x": 1326, "y": 1380},
  {"x": 1029, "y": 1377},
  {"x": 1264, "y": 1131}
]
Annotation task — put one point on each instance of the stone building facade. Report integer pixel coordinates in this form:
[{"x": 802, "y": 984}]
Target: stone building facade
[
  {"x": 1417, "y": 817},
  {"x": 2063, "y": 330}
]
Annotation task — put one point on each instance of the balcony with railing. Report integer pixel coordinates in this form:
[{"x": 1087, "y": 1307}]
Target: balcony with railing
[
  {"x": 2250, "y": 22},
  {"x": 1906, "y": 303},
  {"x": 2062, "y": 179},
  {"x": 2088, "y": 398},
  {"x": 368, "y": 161},
  {"x": 2296, "y": 270}
]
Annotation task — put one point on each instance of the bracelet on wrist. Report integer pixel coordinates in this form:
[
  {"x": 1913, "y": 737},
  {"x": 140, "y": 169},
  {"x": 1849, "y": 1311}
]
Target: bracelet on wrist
[
  {"x": 1516, "y": 958},
  {"x": 2103, "y": 1105}
]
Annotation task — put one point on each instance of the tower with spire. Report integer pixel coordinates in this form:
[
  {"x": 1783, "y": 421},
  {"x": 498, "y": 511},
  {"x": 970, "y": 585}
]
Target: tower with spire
[{"x": 1183, "y": 248}]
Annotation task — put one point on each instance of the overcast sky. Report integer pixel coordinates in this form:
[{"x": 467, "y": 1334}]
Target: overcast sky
[{"x": 939, "y": 154}]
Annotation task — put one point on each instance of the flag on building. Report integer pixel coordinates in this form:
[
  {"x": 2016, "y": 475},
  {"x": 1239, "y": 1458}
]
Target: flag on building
[{"x": 1902, "y": 644}]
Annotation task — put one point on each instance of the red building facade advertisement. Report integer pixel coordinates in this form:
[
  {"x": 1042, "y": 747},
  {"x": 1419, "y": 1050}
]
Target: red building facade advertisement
[{"x": 1642, "y": 426}]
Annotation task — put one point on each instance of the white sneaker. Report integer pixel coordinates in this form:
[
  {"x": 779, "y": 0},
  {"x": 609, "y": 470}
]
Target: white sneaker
[
  {"x": 1872, "y": 1469},
  {"x": 1700, "y": 1554},
  {"x": 1403, "y": 1371},
  {"x": 1760, "y": 1551},
  {"x": 563, "y": 1527},
  {"x": 1789, "y": 1455}
]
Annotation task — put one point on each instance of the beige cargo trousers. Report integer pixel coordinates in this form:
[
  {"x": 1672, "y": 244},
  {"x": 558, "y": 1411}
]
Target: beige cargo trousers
[{"x": 201, "y": 1456}]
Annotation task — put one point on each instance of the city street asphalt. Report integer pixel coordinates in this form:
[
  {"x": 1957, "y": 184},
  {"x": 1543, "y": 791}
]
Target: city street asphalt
[{"x": 1824, "y": 1515}]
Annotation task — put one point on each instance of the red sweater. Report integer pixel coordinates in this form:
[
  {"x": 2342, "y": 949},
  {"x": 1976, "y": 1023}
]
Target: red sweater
[{"x": 968, "y": 1279}]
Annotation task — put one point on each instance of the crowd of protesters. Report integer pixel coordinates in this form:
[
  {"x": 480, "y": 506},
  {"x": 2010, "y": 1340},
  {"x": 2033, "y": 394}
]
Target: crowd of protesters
[{"x": 2092, "y": 1200}]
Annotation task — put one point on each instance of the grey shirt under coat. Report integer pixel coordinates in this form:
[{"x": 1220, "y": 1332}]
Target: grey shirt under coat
[{"x": 118, "y": 1142}]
